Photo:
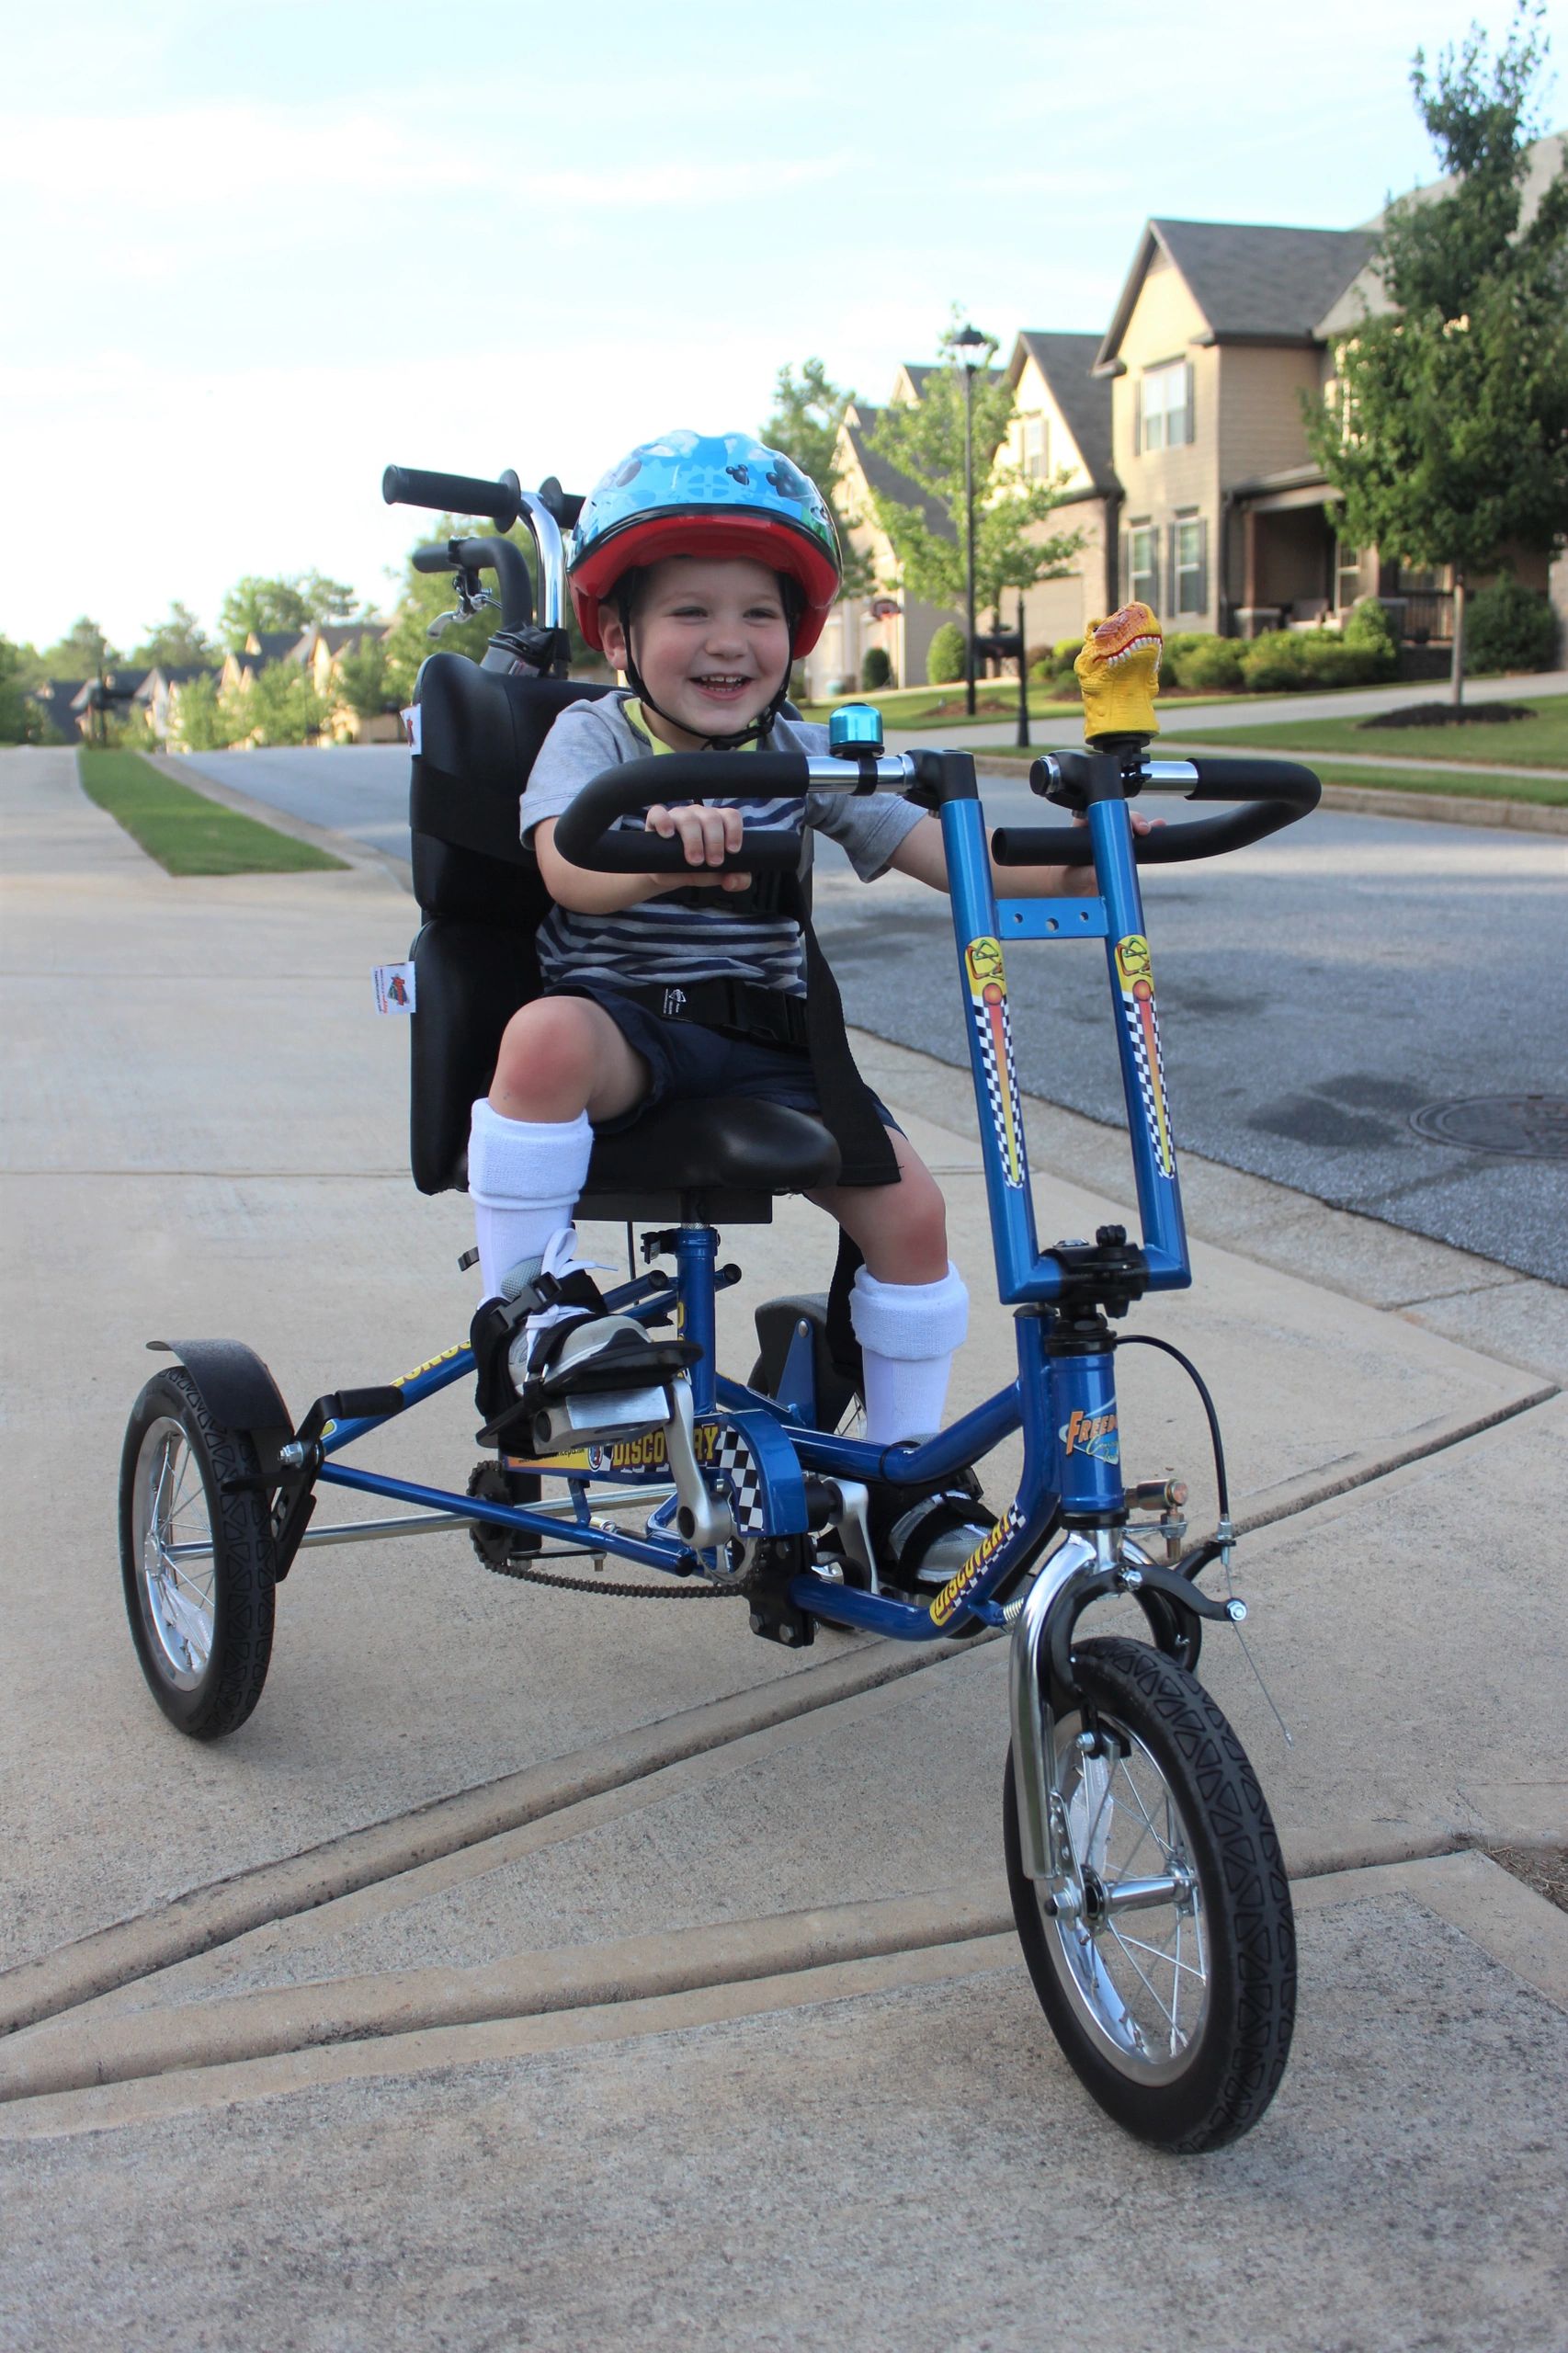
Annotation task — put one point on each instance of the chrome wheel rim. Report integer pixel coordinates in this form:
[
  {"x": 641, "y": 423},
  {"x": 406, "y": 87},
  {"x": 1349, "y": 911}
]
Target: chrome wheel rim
[
  {"x": 1139, "y": 1976},
  {"x": 171, "y": 1532}
]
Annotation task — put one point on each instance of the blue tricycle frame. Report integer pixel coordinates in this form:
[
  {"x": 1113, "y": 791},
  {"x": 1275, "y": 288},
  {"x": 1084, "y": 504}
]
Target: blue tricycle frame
[{"x": 1112, "y": 1740}]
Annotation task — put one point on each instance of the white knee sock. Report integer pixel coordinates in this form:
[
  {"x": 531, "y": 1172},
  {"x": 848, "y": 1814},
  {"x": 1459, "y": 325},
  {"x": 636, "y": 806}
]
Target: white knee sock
[
  {"x": 908, "y": 1333},
  {"x": 524, "y": 1177}
]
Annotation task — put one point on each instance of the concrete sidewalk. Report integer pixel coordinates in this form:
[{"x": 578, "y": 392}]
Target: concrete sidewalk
[{"x": 547, "y": 1970}]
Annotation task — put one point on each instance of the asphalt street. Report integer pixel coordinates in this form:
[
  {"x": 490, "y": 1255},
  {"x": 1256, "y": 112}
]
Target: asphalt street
[{"x": 1320, "y": 995}]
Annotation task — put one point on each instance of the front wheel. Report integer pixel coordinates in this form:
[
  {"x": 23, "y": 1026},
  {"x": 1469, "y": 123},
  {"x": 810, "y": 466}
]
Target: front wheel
[
  {"x": 196, "y": 1557},
  {"x": 1171, "y": 1987}
]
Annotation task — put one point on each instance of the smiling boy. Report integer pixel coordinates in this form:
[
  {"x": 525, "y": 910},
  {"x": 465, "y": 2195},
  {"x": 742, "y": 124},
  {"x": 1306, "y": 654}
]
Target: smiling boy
[{"x": 703, "y": 568}]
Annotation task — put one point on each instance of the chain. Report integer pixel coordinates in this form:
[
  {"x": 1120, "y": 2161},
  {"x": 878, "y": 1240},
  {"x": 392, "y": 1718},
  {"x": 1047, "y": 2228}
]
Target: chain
[{"x": 489, "y": 1481}]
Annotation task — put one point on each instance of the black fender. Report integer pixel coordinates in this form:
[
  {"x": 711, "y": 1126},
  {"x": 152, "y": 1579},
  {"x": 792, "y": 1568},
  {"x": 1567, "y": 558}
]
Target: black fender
[{"x": 238, "y": 1391}]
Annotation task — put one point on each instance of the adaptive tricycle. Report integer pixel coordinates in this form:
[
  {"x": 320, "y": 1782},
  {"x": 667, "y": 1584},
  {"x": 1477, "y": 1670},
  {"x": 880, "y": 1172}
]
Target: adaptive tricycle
[{"x": 1146, "y": 1876}]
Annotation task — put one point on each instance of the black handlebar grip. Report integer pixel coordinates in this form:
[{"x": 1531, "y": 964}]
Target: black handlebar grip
[
  {"x": 455, "y": 494},
  {"x": 582, "y": 836},
  {"x": 433, "y": 559},
  {"x": 1286, "y": 793},
  {"x": 1235, "y": 776}
]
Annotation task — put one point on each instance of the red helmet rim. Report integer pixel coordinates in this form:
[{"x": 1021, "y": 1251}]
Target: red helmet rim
[{"x": 647, "y": 538}]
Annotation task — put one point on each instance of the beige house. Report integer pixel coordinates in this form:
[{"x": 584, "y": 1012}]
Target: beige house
[
  {"x": 1221, "y": 332},
  {"x": 1061, "y": 424},
  {"x": 902, "y": 625},
  {"x": 1226, "y": 524},
  {"x": 1061, "y": 427}
]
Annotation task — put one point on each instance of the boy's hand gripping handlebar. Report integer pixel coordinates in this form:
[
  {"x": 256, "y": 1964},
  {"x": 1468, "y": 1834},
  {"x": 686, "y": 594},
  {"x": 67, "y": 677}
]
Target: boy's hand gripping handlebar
[{"x": 583, "y": 834}]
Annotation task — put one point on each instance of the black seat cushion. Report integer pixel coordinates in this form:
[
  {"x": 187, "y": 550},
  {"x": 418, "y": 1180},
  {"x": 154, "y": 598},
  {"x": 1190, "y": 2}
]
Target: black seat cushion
[{"x": 470, "y": 978}]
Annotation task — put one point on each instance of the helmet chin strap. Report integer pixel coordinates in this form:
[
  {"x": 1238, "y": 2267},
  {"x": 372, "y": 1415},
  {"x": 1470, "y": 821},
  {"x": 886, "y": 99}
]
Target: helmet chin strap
[{"x": 760, "y": 726}]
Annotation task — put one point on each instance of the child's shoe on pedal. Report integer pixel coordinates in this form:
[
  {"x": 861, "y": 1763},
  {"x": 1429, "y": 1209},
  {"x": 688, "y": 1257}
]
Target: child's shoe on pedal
[{"x": 551, "y": 1334}]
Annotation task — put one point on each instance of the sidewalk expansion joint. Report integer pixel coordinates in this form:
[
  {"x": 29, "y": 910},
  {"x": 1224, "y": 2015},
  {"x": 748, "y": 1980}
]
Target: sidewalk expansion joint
[
  {"x": 1301, "y": 1498},
  {"x": 217, "y": 1914},
  {"x": 214, "y": 1914}
]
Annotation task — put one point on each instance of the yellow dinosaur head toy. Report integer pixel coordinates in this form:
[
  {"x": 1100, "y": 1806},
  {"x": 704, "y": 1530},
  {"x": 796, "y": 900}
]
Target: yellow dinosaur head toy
[{"x": 1118, "y": 671}]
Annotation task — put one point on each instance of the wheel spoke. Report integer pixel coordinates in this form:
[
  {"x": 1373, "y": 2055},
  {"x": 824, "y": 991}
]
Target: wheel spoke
[
  {"x": 1167, "y": 2015},
  {"x": 1159, "y": 1952}
]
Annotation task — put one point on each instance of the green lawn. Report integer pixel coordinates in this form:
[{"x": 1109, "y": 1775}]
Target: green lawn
[
  {"x": 183, "y": 830},
  {"x": 1541, "y": 742}
]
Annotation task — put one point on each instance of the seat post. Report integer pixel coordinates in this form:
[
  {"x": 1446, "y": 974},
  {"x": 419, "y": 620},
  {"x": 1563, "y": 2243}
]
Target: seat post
[{"x": 697, "y": 1256}]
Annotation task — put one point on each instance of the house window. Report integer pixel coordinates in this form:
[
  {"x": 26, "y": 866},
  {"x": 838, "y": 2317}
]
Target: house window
[
  {"x": 1143, "y": 566},
  {"x": 1347, "y": 576},
  {"x": 1190, "y": 565},
  {"x": 1164, "y": 406},
  {"x": 1034, "y": 450}
]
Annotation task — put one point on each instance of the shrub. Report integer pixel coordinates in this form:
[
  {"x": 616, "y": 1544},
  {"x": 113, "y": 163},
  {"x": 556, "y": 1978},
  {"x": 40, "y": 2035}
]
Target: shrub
[
  {"x": 1212, "y": 666},
  {"x": 1509, "y": 627},
  {"x": 1067, "y": 650},
  {"x": 1176, "y": 652},
  {"x": 1331, "y": 660},
  {"x": 876, "y": 670},
  {"x": 944, "y": 662},
  {"x": 1369, "y": 628},
  {"x": 1063, "y": 685},
  {"x": 1274, "y": 662}
]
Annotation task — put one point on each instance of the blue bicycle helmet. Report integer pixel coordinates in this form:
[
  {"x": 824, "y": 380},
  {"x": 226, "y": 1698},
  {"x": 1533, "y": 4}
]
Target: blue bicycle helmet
[{"x": 706, "y": 494}]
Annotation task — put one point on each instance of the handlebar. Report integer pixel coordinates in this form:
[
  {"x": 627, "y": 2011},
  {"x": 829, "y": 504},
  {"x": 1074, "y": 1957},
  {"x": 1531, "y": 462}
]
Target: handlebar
[
  {"x": 582, "y": 838},
  {"x": 503, "y": 557},
  {"x": 455, "y": 494},
  {"x": 1277, "y": 792}
]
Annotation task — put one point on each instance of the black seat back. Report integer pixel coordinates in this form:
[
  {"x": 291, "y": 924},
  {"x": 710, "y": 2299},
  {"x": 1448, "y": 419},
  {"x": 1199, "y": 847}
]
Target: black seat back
[
  {"x": 483, "y": 900},
  {"x": 478, "y": 888}
]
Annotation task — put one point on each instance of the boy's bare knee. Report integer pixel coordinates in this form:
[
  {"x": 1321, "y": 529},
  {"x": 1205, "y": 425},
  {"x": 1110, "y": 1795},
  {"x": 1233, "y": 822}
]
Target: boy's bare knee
[{"x": 548, "y": 1065}]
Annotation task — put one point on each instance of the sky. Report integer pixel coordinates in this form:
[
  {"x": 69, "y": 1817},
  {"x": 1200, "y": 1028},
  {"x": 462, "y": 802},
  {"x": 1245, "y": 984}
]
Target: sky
[{"x": 257, "y": 252}]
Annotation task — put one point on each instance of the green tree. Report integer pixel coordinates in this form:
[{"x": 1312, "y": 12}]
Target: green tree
[
  {"x": 926, "y": 440},
  {"x": 82, "y": 653},
  {"x": 279, "y": 706},
  {"x": 1447, "y": 434},
  {"x": 203, "y": 721},
  {"x": 362, "y": 675},
  {"x": 21, "y": 721},
  {"x": 806, "y": 420},
  {"x": 257, "y": 602},
  {"x": 178, "y": 640}
]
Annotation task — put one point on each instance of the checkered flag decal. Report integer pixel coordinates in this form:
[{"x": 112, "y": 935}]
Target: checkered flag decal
[
  {"x": 1159, "y": 1128},
  {"x": 736, "y": 1460},
  {"x": 1012, "y": 1153}
]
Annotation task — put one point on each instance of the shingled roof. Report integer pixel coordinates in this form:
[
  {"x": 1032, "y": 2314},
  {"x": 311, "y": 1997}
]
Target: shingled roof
[
  {"x": 1066, "y": 361},
  {"x": 887, "y": 479},
  {"x": 1252, "y": 284}
]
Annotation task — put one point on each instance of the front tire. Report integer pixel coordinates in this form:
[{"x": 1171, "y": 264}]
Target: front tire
[
  {"x": 197, "y": 1559},
  {"x": 1176, "y": 2012}
]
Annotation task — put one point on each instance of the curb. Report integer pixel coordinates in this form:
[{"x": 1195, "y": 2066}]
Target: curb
[{"x": 355, "y": 854}]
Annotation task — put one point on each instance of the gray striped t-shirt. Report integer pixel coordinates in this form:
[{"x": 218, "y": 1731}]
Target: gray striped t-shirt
[{"x": 664, "y": 939}]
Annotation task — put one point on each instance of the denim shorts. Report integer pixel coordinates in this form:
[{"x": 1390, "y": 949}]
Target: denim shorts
[{"x": 687, "y": 1064}]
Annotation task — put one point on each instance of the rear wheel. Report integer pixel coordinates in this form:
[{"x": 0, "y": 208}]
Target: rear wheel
[
  {"x": 1168, "y": 1970},
  {"x": 197, "y": 1559}
]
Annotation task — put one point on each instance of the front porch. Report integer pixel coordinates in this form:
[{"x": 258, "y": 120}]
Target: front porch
[{"x": 1288, "y": 569}]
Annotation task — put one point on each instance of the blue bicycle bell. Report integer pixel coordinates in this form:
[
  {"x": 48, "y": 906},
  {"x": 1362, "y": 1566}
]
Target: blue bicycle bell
[{"x": 854, "y": 729}]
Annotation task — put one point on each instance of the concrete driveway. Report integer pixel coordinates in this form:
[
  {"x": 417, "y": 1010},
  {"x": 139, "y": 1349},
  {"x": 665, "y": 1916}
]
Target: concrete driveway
[{"x": 534, "y": 1969}]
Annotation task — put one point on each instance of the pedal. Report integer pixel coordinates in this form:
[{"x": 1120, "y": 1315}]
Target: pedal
[{"x": 595, "y": 1418}]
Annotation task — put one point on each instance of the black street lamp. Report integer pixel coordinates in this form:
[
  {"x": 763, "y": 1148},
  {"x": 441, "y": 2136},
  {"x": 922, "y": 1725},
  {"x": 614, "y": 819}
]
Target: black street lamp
[{"x": 971, "y": 346}]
